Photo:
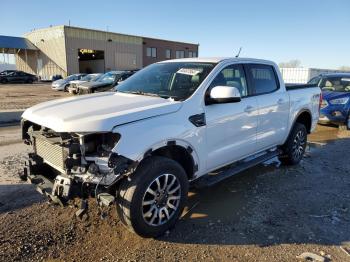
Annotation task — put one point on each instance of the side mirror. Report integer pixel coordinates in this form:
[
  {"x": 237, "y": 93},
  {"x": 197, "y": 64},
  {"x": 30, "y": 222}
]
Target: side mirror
[
  {"x": 115, "y": 82},
  {"x": 224, "y": 94}
]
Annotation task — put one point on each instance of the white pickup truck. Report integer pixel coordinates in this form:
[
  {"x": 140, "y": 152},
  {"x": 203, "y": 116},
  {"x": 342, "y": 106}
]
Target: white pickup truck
[{"x": 170, "y": 124}]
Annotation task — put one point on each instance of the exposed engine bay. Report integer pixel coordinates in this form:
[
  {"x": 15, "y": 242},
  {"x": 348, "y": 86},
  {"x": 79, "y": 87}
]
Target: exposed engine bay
[{"x": 80, "y": 164}]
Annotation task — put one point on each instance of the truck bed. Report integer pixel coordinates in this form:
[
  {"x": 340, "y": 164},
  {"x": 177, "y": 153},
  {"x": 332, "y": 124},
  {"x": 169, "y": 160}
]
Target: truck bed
[{"x": 298, "y": 86}]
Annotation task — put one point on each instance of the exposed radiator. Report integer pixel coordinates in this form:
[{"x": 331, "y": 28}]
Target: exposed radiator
[{"x": 52, "y": 154}]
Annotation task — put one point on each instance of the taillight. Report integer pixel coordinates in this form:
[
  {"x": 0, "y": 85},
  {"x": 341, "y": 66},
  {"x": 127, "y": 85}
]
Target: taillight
[{"x": 320, "y": 103}]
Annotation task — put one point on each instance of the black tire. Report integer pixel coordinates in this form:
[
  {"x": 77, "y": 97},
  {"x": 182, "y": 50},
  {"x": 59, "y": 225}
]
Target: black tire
[
  {"x": 29, "y": 81},
  {"x": 294, "y": 148},
  {"x": 346, "y": 125},
  {"x": 3, "y": 81},
  {"x": 66, "y": 88},
  {"x": 131, "y": 196}
]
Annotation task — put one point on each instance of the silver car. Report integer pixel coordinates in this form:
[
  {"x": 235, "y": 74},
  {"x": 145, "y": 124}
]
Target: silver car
[
  {"x": 63, "y": 84},
  {"x": 73, "y": 87}
]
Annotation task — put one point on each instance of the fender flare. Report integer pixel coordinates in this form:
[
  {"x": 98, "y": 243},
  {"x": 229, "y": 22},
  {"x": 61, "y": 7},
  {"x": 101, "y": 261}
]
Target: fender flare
[
  {"x": 304, "y": 110},
  {"x": 170, "y": 142}
]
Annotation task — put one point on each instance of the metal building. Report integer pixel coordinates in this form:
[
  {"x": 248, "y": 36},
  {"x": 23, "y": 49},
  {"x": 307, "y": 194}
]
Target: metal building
[
  {"x": 301, "y": 75},
  {"x": 66, "y": 50}
]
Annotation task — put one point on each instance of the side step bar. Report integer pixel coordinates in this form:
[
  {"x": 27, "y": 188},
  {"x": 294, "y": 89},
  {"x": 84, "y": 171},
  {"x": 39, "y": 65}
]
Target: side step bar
[{"x": 214, "y": 178}]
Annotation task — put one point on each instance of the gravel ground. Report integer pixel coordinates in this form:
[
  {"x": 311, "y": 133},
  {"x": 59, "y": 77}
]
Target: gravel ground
[
  {"x": 22, "y": 96},
  {"x": 268, "y": 213}
]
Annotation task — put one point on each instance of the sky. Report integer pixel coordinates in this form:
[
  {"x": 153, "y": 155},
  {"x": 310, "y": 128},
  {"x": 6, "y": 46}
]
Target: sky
[{"x": 316, "y": 32}]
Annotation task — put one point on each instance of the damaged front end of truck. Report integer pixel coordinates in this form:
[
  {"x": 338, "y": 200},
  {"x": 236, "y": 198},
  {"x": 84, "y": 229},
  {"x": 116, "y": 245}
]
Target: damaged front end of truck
[{"x": 68, "y": 165}]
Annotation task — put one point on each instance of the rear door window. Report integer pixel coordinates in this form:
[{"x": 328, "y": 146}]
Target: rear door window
[
  {"x": 314, "y": 81},
  {"x": 262, "y": 78}
]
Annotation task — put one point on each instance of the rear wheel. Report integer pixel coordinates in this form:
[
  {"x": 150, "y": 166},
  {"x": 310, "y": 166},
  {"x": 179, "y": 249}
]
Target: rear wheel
[
  {"x": 3, "y": 80},
  {"x": 151, "y": 200},
  {"x": 294, "y": 148}
]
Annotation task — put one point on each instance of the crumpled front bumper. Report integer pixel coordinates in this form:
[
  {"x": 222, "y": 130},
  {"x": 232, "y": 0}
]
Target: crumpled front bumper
[
  {"x": 44, "y": 184},
  {"x": 333, "y": 114},
  {"x": 60, "y": 188}
]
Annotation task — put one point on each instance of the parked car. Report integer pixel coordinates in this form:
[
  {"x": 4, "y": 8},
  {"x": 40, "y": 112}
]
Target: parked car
[
  {"x": 63, "y": 84},
  {"x": 335, "y": 108},
  {"x": 6, "y": 72},
  {"x": 172, "y": 123},
  {"x": 73, "y": 87},
  {"x": 56, "y": 77},
  {"x": 104, "y": 83},
  {"x": 17, "y": 77}
]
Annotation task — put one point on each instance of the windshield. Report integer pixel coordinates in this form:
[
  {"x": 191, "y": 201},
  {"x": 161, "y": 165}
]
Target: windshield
[
  {"x": 107, "y": 77},
  {"x": 338, "y": 84},
  {"x": 91, "y": 77},
  {"x": 87, "y": 78},
  {"x": 177, "y": 80},
  {"x": 71, "y": 78},
  {"x": 95, "y": 77}
]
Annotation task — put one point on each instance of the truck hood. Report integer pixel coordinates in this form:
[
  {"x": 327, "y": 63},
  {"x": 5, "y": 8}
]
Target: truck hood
[{"x": 99, "y": 112}]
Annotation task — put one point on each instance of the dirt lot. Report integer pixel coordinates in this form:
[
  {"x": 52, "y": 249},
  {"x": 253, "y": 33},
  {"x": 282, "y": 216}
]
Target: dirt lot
[
  {"x": 268, "y": 213},
  {"x": 22, "y": 96}
]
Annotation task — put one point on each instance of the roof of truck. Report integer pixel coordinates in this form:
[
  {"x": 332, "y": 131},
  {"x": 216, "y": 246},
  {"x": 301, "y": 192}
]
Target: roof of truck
[{"x": 217, "y": 60}]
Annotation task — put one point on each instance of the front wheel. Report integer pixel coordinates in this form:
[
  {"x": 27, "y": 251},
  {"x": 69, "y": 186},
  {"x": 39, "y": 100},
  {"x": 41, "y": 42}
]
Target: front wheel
[
  {"x": 346, "y": 125},
  {"x": 294, "y": 148},
  {"x": 151, "y": 200}
]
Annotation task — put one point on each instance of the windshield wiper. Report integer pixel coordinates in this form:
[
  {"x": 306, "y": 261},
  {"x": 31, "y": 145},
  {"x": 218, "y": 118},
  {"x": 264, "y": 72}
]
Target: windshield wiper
[{"x": 146, "y": 94}]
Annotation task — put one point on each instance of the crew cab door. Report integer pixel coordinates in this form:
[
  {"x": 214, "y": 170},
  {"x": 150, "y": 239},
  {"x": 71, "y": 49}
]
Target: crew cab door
[
  {"x": 230, "y": 127},
  {"x": 273, "y": 103}
]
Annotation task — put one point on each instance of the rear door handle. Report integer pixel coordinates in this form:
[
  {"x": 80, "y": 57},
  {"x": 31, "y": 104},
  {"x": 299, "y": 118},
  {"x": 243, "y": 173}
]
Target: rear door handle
[
  {"x": 249, "y": 109},
  {"x": 280, "y": 101}
]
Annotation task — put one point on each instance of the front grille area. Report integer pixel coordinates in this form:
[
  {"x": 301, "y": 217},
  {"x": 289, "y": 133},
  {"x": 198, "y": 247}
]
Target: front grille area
[{"x": 52, "y": 154}]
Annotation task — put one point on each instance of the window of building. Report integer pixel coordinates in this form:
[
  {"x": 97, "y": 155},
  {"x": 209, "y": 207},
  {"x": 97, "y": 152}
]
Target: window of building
[
  {"x": 151, "y": 52},
  {"x": 263, "y": 78},
  {"x": 192, "y": 54},
  {"x": 180, "y": 54},
  {"x": 167, "y": 53}
]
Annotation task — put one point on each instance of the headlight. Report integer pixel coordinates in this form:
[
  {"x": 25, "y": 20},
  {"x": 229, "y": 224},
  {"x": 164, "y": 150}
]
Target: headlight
[{"x": 339, "y": 101}]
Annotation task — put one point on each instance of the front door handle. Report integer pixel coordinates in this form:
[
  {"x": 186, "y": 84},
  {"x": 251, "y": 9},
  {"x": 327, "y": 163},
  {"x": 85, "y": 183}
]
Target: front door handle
[{"x": 249, "y": 109}]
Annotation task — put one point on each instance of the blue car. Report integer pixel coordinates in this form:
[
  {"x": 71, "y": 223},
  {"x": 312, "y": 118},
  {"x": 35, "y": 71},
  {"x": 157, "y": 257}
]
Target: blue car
[{"x": 335, "y": 108}]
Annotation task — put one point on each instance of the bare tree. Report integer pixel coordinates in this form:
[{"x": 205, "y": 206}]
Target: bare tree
[{"x": 291, "y": 63}]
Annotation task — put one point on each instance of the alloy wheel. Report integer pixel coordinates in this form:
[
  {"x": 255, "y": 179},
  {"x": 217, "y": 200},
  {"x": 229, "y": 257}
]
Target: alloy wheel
[
  {"x": 161, "y": 200},
  {"x": 299, "y": 145}
]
